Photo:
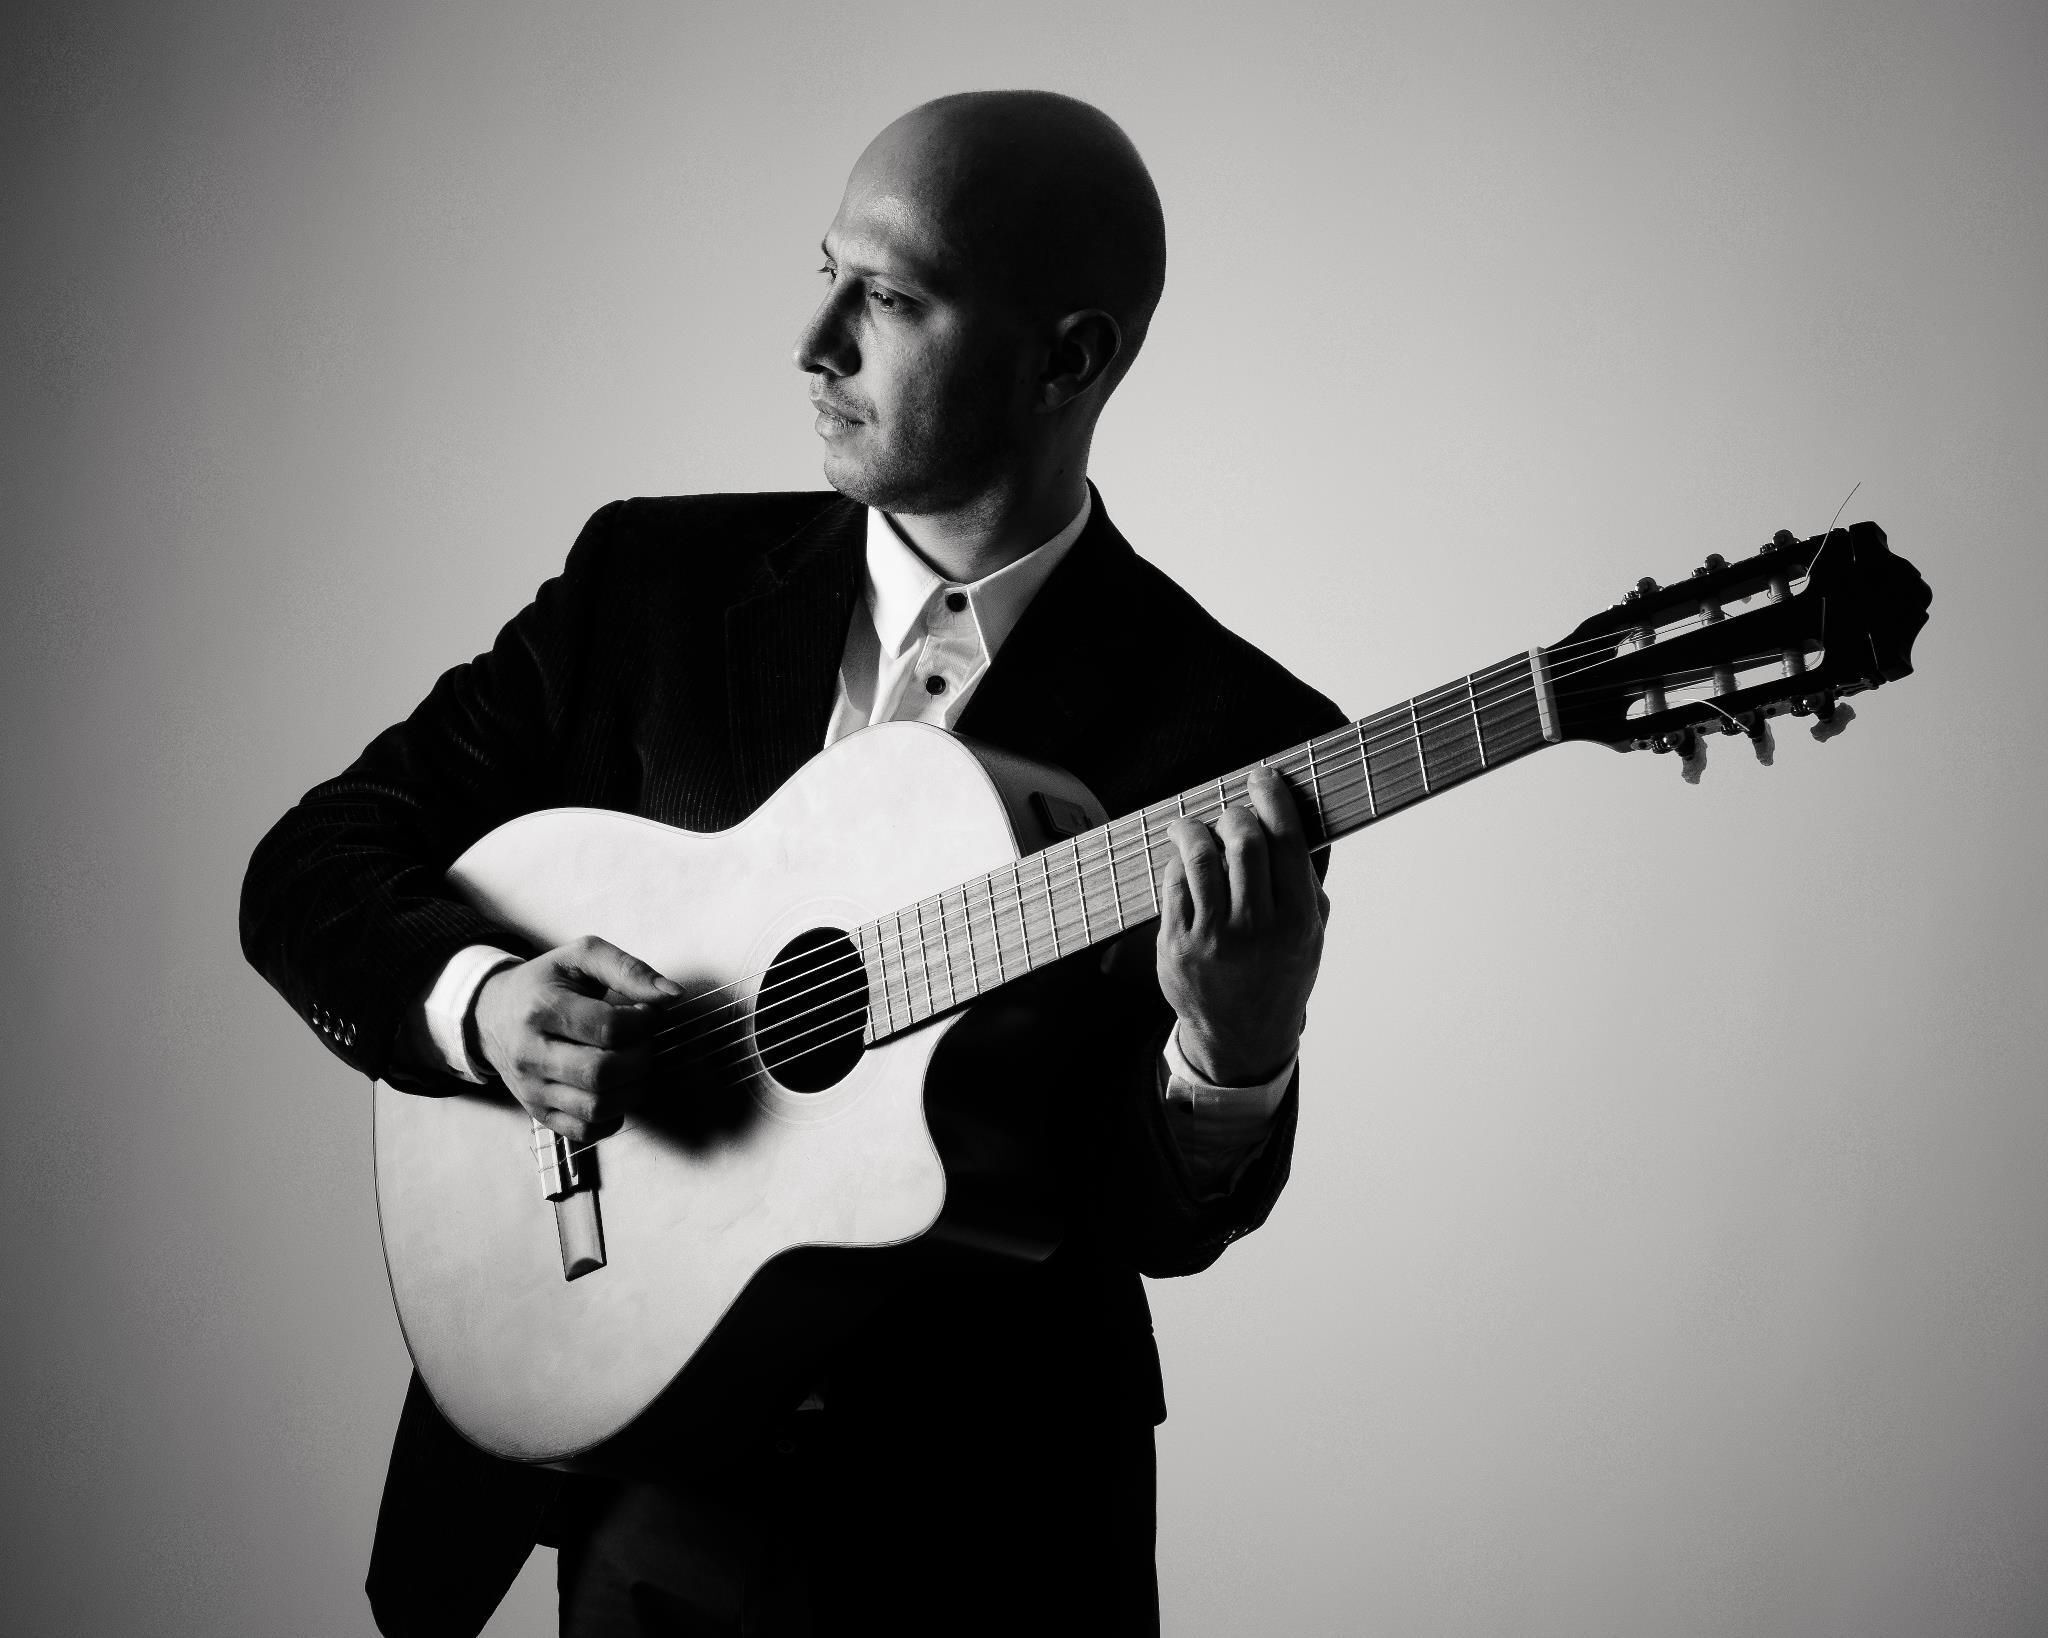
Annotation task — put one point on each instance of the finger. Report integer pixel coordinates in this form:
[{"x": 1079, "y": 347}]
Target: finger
[
  {"x": 1175, "y": 911},
  {"x": 574, "y": 1017},
  {"x": 1201, "y": 858},
  {"x": 1244, "y": 854},
  {"x": 569, "y": 1102},
  {"x": 590, "y": 1069},
  {"x": 568, "y": 1126},
  {"x": 1292, "y": 871},
  {"x": 609, "y": 967}
]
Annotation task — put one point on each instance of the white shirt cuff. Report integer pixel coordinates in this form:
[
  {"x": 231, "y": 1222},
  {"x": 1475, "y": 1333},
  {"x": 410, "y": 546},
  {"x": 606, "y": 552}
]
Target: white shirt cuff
[
  {"x": 451, "y": 1000},
  {"x": 1219, "y": 1130}
]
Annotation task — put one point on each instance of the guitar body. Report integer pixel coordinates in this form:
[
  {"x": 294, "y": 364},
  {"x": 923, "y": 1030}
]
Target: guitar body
[{"x": 740, "y": 1232}]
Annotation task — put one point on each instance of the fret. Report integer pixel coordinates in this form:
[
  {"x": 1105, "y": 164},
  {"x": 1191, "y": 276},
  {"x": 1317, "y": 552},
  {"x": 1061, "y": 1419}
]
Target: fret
[
  {"x": 1421, "y": 761},
  {"x": 945, "y": 961},
  {"x": 1052, "y": 914},
  {"x": 1372, "y": 807},
  {"x": 868, "y": 1031},
  {"x": 1081, "y": 893},
  {"x": 1472, "y": 704},
  {"x": 995, "y": 926},
  {"x": 1450, "y": 741},
  {"x": 967, "y": 920},
  {"x": 1147, "y": 877},
  {"x": 875, "y": 960},
  {"x": 910, "y": 1012},
  {"x": 1116, "y": 893},
  {"x": 924, "y": 961},
  {"x": 944, "y": 964},
  {"x": 888, "y": 978},
  {"x": 1023, "y": 920},
  {"x": 1393, "y": 762},
  {"x": 1315, "y": 790}
]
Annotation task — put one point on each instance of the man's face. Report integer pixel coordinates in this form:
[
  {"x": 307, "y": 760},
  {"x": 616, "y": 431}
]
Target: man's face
[{"x": 918, "y": 369}]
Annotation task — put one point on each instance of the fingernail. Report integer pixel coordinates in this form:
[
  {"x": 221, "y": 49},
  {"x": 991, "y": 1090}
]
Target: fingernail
[{"x": 667, "y": 986}]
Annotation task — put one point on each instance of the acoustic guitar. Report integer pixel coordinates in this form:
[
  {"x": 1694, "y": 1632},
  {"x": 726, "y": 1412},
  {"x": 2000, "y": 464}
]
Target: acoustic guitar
[{"x": 585, "y": 1307}]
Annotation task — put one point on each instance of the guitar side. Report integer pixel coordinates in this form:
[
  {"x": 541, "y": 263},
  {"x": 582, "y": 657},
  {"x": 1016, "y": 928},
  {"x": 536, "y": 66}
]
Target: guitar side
[{"x": 717, "y": 1222}]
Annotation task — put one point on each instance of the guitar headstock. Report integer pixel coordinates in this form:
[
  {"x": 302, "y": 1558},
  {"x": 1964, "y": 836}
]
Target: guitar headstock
[{"x": 1793, "y": 629}]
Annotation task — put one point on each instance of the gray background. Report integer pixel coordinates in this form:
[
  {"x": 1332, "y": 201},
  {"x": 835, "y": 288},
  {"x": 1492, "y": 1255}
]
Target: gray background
[{"x": 1666, "y": 1247}]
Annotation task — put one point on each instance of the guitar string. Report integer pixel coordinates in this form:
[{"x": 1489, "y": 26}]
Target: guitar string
[
  {"x": 1488, "y": 698},
  {"x": 1067, "y": 896},
  {"x": 774, "y": 1031},
  {"x": 1083, "y": 879},
  {"x": 781, "y": 1037},
  {"x": 1087, "y": 872},
  {"x": 1080, "y": 891},
  {"x": 725, "y": 1058},
  {"x": 857, "y": 1012},
  {"x": 1512, "y": 688}
]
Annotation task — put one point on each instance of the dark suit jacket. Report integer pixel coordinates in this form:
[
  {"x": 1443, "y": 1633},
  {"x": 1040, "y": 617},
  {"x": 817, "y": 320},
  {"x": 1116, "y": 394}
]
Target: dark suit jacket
[{"x": 681, "y": 667}]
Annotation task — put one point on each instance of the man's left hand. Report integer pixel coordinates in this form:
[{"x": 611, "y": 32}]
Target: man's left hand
[{"x": 1241, "y": 919}]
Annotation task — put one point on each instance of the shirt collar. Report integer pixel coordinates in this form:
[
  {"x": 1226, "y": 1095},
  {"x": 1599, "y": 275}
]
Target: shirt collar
[{"x": 902, "y": 586}]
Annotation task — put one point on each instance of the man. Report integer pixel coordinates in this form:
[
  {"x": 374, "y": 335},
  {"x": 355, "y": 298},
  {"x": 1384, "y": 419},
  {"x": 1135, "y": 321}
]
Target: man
[{"x": 979, "y": 1457}]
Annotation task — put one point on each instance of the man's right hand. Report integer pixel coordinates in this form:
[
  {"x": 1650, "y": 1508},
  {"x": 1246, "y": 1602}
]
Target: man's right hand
[{"x": 568, "y": 1033}]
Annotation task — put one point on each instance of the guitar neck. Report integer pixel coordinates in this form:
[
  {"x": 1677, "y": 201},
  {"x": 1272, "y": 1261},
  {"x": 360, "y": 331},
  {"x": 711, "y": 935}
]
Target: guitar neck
[{"x": 944, "y": 951}]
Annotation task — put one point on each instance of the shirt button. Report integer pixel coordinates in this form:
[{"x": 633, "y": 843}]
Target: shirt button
[
  {"x": 956, "y": 601},
  {"x": 935, "y": 685}
]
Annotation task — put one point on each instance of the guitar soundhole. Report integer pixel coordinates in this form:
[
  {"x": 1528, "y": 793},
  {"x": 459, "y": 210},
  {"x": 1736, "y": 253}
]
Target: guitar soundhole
[{"x": 811, "y": 1010}]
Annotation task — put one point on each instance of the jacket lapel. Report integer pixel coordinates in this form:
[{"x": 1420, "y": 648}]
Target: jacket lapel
[
  {"x": 783, "y": 642},
  {"x": 1043, "y": 696}
]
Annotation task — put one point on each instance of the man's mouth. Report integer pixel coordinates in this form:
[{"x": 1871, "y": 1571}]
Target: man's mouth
[{"x": 834, "y": 412}]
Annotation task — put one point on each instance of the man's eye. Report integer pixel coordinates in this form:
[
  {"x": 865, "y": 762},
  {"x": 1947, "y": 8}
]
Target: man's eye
[{"x": 884, "y": 299}]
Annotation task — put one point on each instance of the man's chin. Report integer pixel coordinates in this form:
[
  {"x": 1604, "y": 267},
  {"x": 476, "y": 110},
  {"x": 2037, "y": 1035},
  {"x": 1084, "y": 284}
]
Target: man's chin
[
  {"x": 858, "y": 480},
  {"x": 899, "y": 493}
]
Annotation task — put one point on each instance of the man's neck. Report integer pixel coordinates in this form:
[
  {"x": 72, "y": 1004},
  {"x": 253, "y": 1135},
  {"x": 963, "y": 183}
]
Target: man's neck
[{"x": 993, "y": 531}]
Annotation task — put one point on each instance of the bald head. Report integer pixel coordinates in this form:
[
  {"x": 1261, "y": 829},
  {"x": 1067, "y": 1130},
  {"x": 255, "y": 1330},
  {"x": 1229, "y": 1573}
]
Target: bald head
[
  {"x": 1040, "y": 196},
  {"x": 990, "y": 274}
]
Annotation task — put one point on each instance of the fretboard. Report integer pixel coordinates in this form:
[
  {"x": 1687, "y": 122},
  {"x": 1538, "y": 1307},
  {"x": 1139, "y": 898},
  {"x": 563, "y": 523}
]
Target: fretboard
[{"x": 944, "y": 951}]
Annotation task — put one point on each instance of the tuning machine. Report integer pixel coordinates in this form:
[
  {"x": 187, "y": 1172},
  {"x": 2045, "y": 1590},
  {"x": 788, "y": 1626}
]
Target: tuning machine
[
  {"x": 1691, "y": 746},
  {"x": 1831, "y": 716},
  {"x": 1761, "y": 740}
]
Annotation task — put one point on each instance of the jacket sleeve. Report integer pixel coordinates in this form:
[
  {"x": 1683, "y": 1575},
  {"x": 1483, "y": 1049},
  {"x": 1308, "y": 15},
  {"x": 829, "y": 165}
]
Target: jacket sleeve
[
  {"x": 344, "y": 908},
  {"x": 1140, "y": 1193}
]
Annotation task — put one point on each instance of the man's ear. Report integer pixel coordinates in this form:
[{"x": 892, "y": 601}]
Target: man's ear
[{"x": 1084, "y": 346}]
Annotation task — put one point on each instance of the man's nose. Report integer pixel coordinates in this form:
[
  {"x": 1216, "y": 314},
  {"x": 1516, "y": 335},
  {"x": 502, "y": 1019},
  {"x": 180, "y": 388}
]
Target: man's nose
[{"x": 824, "y": 345}]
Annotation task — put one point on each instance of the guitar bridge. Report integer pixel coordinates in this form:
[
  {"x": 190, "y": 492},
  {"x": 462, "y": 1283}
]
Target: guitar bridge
[{"x": 569, "y": 1180}]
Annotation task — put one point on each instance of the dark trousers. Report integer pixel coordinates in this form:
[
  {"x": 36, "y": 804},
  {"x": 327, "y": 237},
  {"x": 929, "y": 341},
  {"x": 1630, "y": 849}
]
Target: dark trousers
[{"x": 828, "y": 1530}]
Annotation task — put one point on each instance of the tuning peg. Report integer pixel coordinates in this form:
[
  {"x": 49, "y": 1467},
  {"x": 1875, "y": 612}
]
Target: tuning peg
[
  {"x": 1691, "y": 746},
  {"x": 1714, "y": 561},
  {"x": 1831, "y": 717},
  {"x": 1761, "y": 739}
]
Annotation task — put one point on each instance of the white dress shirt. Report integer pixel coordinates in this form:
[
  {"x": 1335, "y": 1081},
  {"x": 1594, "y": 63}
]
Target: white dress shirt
[{"x": 918, "y": 657}]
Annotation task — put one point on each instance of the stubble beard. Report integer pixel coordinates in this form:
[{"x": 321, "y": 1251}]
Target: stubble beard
[{"x": 939, "y": 456}]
